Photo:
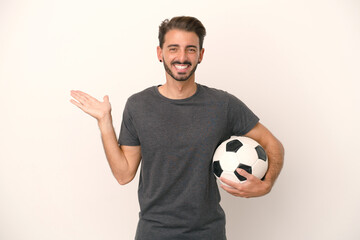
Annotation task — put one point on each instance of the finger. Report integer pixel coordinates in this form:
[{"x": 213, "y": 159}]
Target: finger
[
  {"x": 231, "y": 190},
  {"x": 79, "y": 96},
  {"x": 85, "y": 95},
  {"x": 244, "y": 173},
  {"x": 106, "y": 98},
  {"x": 228, "y": 189},
  {"x": 79, "y": 105},
  {"x": 229, "y": 182}
]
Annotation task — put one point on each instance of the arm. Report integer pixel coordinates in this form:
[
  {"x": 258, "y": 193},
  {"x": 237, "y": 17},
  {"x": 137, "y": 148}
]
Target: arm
[
  {"x": 254, "y": 187},
  {"x": 124, "y": 160}
]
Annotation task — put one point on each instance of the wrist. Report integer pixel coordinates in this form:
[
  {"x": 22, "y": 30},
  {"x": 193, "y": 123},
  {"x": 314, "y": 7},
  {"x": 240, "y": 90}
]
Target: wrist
[
  {"x": 105, "y": 122},
  {"x": 268, "y": 185}
]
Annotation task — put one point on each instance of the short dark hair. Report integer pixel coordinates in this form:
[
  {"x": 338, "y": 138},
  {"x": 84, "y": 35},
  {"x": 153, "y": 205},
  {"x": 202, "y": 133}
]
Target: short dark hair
[{"x": 186, "y": 23}]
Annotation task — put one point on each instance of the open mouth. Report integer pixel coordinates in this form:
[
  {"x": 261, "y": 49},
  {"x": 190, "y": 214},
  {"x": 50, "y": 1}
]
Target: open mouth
[{"x": 181, "y": 67}]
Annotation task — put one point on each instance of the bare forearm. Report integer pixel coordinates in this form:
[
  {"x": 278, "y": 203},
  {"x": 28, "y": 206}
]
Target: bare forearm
[
  {"x": 275, "y": 152},
  {"x": 115, "y": 156}
]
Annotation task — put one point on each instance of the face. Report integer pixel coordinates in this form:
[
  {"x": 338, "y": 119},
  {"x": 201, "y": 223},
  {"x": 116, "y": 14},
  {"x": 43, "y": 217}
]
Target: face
[{"x": 180, "y": 54}]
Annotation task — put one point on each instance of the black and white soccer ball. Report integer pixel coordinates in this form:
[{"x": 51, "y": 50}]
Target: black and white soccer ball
[{"x": 239, "y": 152}]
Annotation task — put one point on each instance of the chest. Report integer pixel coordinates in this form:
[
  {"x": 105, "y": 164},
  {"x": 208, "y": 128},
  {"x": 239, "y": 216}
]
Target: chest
[{"x": 170, "y": 126}]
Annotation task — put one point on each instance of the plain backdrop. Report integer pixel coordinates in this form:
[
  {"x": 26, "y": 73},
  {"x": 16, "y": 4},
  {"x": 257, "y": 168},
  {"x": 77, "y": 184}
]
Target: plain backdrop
[{"x": 294, "y": 63}]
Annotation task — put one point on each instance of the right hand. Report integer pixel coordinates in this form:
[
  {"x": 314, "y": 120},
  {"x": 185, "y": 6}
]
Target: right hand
[{"x": 91, "y": 105}]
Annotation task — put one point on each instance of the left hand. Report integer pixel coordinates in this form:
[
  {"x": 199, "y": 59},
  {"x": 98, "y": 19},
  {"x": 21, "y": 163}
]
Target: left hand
[{"x": 252, "y": 187}]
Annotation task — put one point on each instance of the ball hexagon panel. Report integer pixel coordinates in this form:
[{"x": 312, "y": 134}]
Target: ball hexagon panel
[
  {"x": 229, "y": 161},
  {"x": 259, "y": 168},
  {"x": 247, "y": 155}
]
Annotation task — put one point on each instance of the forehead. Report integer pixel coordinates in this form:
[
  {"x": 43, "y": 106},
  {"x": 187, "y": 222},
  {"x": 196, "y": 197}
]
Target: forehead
[{"x": 181, "y": 37}]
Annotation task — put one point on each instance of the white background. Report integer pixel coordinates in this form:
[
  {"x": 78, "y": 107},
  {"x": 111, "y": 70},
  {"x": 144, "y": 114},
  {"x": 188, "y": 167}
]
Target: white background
[{"x": 294, "y": 63}]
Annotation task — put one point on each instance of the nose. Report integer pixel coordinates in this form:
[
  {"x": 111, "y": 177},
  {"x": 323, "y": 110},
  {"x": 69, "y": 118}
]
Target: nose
[{"x": 182, "y": 56}]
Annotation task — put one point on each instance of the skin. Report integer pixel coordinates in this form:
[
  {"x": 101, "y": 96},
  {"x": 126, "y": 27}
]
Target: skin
[
  {"x": 183, "y": 47},
  {"x": 179, "y": 48}
]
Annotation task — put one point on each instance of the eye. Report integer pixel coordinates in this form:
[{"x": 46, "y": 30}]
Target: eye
[
  {"x": 192, "y": 50},
  {"x": 172, "y": 49}
]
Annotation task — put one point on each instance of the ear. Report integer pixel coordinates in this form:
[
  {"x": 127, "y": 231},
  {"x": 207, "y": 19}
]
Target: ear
[
  {"x": 159, "y": 53},
  {"x": 201, "y": 55}
]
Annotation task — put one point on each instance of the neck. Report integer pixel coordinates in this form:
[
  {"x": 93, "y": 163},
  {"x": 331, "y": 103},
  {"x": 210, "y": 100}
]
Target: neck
[{"x": 178, "y": 90}]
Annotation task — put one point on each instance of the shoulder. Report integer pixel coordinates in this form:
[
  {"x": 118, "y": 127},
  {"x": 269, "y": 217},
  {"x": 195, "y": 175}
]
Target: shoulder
[
  {"x": 142, "y": 95},
  {"x": 146, "y": 96},
  {"x": 223, "y": 97},
  {"x": 140, "y": 100},
  {"x": 216, "y": 94}
]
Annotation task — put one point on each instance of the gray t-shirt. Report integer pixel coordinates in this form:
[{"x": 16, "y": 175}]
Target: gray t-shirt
[{"x": 178, "y": 194}]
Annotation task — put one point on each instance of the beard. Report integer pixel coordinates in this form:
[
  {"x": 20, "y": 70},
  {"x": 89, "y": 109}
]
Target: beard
[{"x": 183, "y": 77}]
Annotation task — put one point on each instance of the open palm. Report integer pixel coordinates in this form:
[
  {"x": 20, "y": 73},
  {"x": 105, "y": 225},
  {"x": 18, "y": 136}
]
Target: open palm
[{"x": 91, "y": 105}]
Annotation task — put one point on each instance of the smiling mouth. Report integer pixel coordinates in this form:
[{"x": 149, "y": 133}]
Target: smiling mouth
[{"x": 181, "y": 66}]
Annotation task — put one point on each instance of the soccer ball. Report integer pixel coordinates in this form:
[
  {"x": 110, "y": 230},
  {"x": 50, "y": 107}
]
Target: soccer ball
[{"x": 239, "y": 152}]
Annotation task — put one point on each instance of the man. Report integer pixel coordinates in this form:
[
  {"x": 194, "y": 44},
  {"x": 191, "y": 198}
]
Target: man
[{"x": 174, "y": 130}]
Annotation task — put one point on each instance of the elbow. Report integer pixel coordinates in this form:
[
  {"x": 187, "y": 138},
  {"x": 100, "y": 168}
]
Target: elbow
[
  {"x": 274, "y": 145},
  {"x": 123, "y": 181},
  {"x": 276, "y": 149},
  {"x": 277, "y": 146},
  {"x": 282, "y": 149}
]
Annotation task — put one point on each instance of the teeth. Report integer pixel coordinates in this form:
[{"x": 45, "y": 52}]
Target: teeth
[{"x": 181, "y": 66}]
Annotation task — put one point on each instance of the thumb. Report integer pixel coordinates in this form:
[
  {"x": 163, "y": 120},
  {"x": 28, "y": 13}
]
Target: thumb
[{"x": 106, "y": 98}]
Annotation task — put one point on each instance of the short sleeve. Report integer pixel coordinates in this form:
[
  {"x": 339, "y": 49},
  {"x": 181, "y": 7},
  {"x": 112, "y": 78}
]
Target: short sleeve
[
  {"x": 240, "y": 118},
  {"x": 128, "y": 135}
]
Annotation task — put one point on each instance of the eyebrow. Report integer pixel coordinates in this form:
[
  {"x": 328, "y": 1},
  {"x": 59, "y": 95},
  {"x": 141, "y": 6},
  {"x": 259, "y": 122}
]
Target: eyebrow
[{"x": 177, "y": 45}]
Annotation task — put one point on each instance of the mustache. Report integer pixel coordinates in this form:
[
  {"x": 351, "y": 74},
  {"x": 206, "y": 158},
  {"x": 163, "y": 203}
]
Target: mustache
[{"x": 177, "y": 62}]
